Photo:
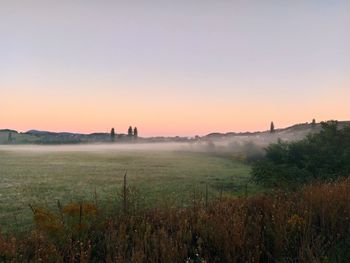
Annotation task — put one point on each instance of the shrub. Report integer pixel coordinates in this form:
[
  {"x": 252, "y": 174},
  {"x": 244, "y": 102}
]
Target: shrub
[{"x": 325, "y": 156}]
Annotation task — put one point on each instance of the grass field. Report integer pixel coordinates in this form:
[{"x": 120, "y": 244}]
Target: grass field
[{"x": 41, "y": 175}]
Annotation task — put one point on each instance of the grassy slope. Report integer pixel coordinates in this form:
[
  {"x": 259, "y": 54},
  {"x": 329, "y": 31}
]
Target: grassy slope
[
  {"x": 17, "y": 138},
  {"x": 43, "y": 178}
]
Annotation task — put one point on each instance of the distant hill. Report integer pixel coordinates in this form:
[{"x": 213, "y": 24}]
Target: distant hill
[
  {"x": 36, "y": 132},
  {"x": 292, "y": 133},
  {"x": 295, "y": 132},
  {"x": 16, "y": 137},
  {"x": 8, "y": 130},
  {"x": 301, "y": 127}
]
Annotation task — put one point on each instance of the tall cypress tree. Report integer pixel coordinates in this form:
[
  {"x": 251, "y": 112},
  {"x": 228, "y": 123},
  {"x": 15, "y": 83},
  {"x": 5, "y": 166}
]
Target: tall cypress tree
[
  {"x": 130, "y": 131},
  {"x": 313, "y": 123},
  {"x": 272, "y": 127},
  {"x": 112, "y": 135},
  {"x": 136, "y": 134}
]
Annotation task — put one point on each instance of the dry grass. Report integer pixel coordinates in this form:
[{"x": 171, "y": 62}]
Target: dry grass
[{"x": 311, "y": 225}]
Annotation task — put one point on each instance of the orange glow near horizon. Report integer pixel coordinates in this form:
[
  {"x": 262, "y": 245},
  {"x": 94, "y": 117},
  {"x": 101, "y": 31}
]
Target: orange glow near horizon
[
  {"x": 174, "y": 117},
  {"x": 178, "y": 68}
]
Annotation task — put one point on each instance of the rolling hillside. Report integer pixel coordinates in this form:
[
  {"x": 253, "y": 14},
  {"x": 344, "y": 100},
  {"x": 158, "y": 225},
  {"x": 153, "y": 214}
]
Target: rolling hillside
[{"x": 295, "y": 132}]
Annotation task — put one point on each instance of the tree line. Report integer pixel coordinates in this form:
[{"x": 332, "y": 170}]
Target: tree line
[{"x": 131, "y": 133}]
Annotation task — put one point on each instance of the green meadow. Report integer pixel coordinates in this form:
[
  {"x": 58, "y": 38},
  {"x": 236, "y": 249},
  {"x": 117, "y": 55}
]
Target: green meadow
[{"x": 42, "y": 176}]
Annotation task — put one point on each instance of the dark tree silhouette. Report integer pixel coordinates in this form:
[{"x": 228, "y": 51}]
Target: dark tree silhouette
[
  {"x": 272, "y": 127},
  {"x": 130, "y": 131},
  {"x": 10, "y": 137},
  {"x": 135, "y": 133},
  {"x": 313, "y": 123},
  {"x": 112, "y": 135}
]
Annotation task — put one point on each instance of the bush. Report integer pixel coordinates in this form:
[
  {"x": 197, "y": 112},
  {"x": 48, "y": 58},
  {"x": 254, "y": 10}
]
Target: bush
[{"x": 325, "y": 156}]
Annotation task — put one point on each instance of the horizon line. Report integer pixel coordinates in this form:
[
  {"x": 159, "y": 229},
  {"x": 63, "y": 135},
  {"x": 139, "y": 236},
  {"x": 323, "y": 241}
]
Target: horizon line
[{"x": 213, "y": 132}]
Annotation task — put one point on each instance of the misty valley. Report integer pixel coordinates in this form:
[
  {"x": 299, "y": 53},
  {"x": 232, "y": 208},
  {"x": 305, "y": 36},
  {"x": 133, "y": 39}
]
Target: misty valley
[
  {"x": 84, "y": 191},
  {"x": 174, "y": 131}
]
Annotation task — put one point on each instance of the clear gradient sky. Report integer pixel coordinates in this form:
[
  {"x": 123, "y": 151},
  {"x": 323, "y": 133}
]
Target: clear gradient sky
[{"x": 179, "y": 67}]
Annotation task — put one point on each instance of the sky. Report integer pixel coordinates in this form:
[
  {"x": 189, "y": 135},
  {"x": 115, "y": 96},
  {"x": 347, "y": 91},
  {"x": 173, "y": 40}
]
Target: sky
[{"x": 181, "y": 67}]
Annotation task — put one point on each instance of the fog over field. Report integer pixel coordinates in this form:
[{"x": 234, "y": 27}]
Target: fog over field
[
  {"x": 96, "y": 147},
  {"x": 205, "y": 146},
  {"x": 216, "y": 143}
]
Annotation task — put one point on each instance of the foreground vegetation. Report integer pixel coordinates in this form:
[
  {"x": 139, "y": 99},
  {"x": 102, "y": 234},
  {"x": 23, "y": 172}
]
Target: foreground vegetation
[
  {"x": 321, "y": 156},
  {"x": 311, "y": 225}
]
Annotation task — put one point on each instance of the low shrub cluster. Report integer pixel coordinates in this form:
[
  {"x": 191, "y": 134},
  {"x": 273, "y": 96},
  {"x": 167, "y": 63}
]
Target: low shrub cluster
[
  {"x": 310, "y": 225},
  {"x": 320, "y": 156}
]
